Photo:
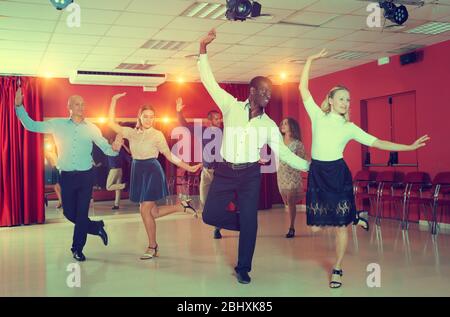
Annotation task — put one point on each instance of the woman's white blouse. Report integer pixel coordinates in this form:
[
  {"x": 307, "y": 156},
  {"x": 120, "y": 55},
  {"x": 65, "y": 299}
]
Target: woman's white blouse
[
  {"x": 331, "y": 133},
  {"x": 146, "y": 144}
]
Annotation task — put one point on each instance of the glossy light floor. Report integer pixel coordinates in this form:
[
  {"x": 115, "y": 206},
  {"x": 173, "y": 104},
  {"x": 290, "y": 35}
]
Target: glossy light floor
[{"x": 34, "y": 260}]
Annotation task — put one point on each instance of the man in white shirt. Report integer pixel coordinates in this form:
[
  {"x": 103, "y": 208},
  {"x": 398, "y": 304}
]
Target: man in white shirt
[{"x": 246, "y": 130}]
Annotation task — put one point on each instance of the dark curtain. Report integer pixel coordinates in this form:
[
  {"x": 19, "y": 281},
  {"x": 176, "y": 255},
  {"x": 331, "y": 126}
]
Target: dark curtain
[
  {"x": 22, "y": 159},
  {"x": 237, "y": 90}
]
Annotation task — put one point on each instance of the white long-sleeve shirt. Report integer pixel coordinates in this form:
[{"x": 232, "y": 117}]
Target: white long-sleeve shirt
[
  {"x": 244, "y": 139},
  {"x": 331, "y": 133}
]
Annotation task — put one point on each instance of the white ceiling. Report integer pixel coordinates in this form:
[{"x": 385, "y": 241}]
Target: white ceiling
[{"x": 35, "y": 39}]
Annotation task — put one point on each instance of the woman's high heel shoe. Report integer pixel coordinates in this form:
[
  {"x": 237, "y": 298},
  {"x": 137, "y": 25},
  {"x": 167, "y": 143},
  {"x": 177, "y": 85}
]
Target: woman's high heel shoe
[
  {"x": 291, "y": 233},
  {"x": 187, "y": 205},
  {"x": 334, "y": 283},
  {"x": 361, "y": 221},
  {"x": 150, "y": 253}
]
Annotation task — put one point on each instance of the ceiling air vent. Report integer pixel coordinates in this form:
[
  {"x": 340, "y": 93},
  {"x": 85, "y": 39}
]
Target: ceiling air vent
[
  {"x": 350, "y": 55},
  {"x": 205, "y": 10},
  {"x": 164, "y": 45}
]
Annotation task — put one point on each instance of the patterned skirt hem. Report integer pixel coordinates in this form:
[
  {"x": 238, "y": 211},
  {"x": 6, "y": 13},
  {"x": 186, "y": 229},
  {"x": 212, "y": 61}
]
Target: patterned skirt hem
[{"x": 321, "y": 224}]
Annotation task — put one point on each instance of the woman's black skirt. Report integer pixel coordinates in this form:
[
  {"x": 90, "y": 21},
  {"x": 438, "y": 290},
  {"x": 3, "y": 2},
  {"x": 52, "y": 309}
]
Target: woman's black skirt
[
  {"x": 329, "y": 196},
  {"x": 56, "y": 178},
  {"x": 148, "y": 182}
]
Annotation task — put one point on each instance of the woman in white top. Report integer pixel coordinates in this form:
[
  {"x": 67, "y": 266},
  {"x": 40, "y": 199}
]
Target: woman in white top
[
  {"x": 329, "y": 196},
  {"x": 148, "y": 183}
]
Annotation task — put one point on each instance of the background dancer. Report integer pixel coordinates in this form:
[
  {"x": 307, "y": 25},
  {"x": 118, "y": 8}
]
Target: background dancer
[
  {"x": 148, "y": 182},
  {"x": 74, "y": 138}
]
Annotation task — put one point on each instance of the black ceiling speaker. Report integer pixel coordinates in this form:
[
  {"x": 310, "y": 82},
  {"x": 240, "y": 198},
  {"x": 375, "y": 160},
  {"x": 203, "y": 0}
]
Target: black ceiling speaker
[{"x": 409, "y": 58}]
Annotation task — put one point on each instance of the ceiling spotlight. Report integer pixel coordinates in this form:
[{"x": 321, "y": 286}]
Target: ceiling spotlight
[
  {"x": 242, "y": 9},
  {"x": 61, "y": 4},
  {"x": 398, "y": 15}
]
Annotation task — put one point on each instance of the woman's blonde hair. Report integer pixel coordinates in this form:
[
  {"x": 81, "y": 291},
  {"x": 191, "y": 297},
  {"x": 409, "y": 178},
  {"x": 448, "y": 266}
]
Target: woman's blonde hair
[
  {"x": 326, "y": 106},
  {"x": 141, "y": 110}
]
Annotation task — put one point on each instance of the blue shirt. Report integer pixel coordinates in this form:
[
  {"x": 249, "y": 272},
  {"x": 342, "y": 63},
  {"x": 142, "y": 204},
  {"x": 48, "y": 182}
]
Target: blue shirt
[{"x": 73, "y": 141}]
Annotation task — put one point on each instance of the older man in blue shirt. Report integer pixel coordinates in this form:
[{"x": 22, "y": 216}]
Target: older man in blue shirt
[{"x": 74, "y": 138}]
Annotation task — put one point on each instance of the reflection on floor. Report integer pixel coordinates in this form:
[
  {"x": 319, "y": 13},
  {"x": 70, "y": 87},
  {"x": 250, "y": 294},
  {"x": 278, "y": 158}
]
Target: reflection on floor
[
  {"x": 104, "y": 208},
  {"x": 35, "y": 260}
]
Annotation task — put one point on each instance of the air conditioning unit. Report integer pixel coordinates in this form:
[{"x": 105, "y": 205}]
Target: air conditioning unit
[{"x": 84, "y": 77}]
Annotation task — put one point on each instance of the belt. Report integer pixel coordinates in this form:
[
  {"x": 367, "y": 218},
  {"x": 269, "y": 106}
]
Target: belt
[
  {"x": 76, "y": 172},
  {"x": 239, "y": 166}
]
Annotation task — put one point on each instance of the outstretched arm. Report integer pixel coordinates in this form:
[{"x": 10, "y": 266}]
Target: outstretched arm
[
  {"x": 176, "y": 161},
  {"x": 308, "y": 101},
  {"x": 389, "y": 146},
  {"x": 365, "y": 138},
  {"x": 112, "y": 114},
  {"x": 284, "y": 153},
  {"x": 220, "y": 96},
  {"x": 27, "y": 122},
  {"x": 102, "y": 143},
  {"x": 163, "y": 148},
  {"x": 304, "y": 89}
]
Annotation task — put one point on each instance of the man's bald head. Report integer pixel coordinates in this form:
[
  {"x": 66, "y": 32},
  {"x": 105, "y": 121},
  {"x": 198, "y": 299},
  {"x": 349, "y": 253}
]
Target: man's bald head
[
  {"x": 75, "y": 104},
  {"x": 75, "y": 99}
]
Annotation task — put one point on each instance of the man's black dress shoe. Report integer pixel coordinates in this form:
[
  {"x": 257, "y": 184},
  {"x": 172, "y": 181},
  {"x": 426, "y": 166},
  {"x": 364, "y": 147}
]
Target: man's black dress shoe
[
  {"x": 243, "y": 277},
  {"x": 103, "y": 235},
  {"x": 78, "y": 255}
]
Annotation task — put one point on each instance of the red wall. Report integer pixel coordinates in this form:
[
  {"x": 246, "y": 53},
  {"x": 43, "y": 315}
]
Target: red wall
[{"x": 97, "y": 99}]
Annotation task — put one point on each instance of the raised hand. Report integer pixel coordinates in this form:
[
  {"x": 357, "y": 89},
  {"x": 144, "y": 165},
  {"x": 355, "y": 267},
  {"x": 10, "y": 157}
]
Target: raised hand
[
  {"x": 321, "y": 54},
  {"x": 19, "y": 97},
  {"x": 180, "y": 105},
  {"x": 208, "y": 38},
  {"x": 420, "y": 142},
  {"x": 118, "y": 96}
]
